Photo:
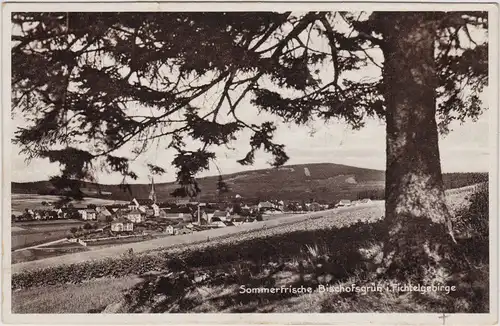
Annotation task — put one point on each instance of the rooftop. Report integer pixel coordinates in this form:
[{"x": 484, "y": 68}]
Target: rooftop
[{"x": 121, "y": 220}]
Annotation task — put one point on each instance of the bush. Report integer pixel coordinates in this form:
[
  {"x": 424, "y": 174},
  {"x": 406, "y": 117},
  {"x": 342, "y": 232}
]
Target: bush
[
  {"x": 258, "y": 217},
  {"x": 77, "y": 273},
  {"x": 375, "y": 194},
  {"x": 87, "y": 226}
]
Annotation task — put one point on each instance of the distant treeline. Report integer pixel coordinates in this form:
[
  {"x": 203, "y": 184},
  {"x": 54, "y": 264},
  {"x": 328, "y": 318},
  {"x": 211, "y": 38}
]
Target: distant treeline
[
  {"x": 459, "y": 180},
  {"x": 375, "y": 194},
  {"x": 451, "y": 181}
]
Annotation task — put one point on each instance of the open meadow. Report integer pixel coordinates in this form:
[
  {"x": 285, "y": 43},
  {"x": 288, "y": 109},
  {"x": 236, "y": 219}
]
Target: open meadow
[
  {"x": 346, "y": 215},
  {"x": 282, "y": 254},
  {"x": 32, "y": 233}
]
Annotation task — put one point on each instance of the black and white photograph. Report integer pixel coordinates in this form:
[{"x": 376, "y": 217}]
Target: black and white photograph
[{"x": 247, "y": 162}]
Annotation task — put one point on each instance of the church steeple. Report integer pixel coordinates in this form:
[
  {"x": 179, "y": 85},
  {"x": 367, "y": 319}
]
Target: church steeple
[{"x": 152, "y": 194}]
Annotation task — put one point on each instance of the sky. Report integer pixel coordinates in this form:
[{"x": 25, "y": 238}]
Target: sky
[{"x": 465, "y": 149}]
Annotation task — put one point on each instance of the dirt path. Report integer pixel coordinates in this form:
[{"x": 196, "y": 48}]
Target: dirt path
[
  {"x": 41, "y": 245},
  {"x": 175, "y": 241}
]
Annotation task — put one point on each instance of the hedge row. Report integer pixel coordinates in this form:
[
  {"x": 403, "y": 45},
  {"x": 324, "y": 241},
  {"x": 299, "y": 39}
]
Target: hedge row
[{"x": 77, "y": 273}]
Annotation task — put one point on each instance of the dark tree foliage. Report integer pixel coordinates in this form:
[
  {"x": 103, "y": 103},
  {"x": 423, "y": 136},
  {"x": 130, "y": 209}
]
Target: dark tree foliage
[
  {"x": 222, "y": 186},
  {"x": 91, "y": 83}
]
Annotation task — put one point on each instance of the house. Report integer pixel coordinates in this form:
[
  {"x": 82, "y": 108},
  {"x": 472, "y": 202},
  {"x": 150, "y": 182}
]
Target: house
[
  {"x": 246, "y": 208},
  {"x": 140, "y": 204},
  {"x": 43, "y": 214},
  {"x": 103, "y": 213},
  {"x": 270, "y": 211},
  {"x": 185, "y": 217},
  {"x": 365, "y": 201},
  {"x": 314, "y": 207},
  {"x": 82, "y": 213},
  {"x": 182, "y": 202},
  {"x": 103, "y": 210},
  {"x": 88, "y": 214},
  {"x": 37, "y": 215},
  {"x": 122, "y": 224},
  {"x": 344, "y": 203},
  {"x": 216, "y": 221},
  {"x": 113, "y": 208},
  {"x": 181, "y": 230},
  {"x": 238, "y": 220},
  {"x": 101, "y": 217},
  {"x": 170, "y": 229},
  {"x": 265, "y": 204},
  {"x": 221, "y": 224},
  {"x": 221, "y": 215},
  {"x": 61, "y": 213},
  {"x": 91, "y": 214},
  {"x": 135, "y": 216},
  {"x": 156, "y": 210},
  {"x": 204, "y": 217},
  {"x": 254, "y": 208}
]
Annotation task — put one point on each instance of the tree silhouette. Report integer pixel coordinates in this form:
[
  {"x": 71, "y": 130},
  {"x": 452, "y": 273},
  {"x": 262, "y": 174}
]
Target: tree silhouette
[
  {"x": 120, "y": 79},
  {"x": 222, "y": 188}
]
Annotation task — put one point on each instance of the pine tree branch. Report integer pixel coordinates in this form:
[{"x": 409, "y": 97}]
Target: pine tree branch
[{"x": 331, "y": 40}]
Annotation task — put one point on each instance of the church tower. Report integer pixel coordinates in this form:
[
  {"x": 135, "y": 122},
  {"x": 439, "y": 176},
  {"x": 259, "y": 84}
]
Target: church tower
[{"x": 152, "y": 194}]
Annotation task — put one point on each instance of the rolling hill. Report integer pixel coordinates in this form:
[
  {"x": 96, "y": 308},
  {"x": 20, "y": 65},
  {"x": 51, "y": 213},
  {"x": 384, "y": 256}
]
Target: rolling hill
[{"x": 324, "y": 182}]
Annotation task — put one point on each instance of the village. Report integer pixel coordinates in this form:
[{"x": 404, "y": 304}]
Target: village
[{"x": 142, "y": 219}]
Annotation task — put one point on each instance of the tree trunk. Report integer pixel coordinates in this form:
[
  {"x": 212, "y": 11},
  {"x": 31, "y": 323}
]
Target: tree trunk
[{"x": 416, "y": 210}]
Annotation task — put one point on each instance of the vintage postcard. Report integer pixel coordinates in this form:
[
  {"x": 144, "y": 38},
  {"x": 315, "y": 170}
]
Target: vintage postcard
[{"x": 249, "y": 163}]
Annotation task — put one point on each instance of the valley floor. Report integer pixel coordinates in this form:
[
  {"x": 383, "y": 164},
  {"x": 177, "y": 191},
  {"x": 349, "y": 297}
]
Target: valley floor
[
  {"x": 96, "y": 295},
  {"x": 341, "y": 215}
]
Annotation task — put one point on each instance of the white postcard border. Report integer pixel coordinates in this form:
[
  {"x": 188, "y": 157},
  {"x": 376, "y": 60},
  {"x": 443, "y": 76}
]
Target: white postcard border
[{"x": 242, "y": 319}]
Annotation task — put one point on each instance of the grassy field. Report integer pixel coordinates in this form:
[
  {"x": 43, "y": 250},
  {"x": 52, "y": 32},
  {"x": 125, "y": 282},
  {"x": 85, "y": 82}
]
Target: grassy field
[
  {"x": 81, "y": 298},
  {"x": 26, "y": 234},
  {"x": 338, "y": 256},
  {"x": 42, "y": 300},
  {"x": 268, "y": 257},
  {"x": 275, "y": 225},
  {"x": 202, "y": 237},
  {"x": 24, "y": 240}
]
